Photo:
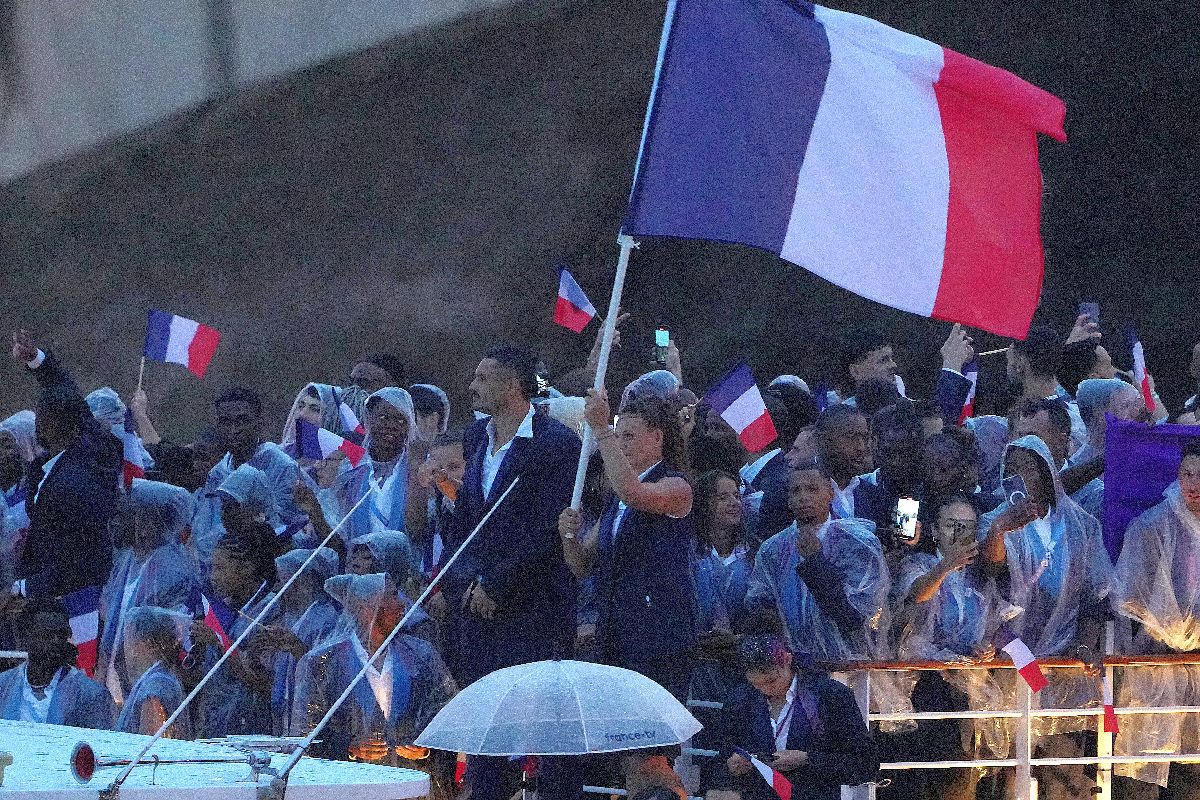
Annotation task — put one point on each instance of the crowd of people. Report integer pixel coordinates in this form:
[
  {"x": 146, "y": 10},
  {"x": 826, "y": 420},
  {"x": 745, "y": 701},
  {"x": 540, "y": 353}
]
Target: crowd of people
[{"x": 733, "y": 577}]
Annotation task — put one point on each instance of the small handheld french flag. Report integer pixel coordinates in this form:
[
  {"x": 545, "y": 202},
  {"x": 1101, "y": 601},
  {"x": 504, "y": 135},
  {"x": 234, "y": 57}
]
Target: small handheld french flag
[
  {"x": 572, "y": 309},
  {"x": 1140, "y": 376},
  {"x": 83, "y": 608},
  {"x": 1110, "y": 711},
  {"x": 216, "y": 615},
  {"x": 132, "y": 466},
  {"x": 318, "y": 443},
  {"x": 347, "y": 416},
  {"x": 971, "y": 373},
  {"x": 180, "y": 341},
  {"x": 774, "y": 778},
  {"x": 1026, "y": 664},
  {"x": 739, "y": 402}
]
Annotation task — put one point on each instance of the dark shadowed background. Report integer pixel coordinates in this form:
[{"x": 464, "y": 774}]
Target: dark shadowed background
[{"x": 415, "y": 198}]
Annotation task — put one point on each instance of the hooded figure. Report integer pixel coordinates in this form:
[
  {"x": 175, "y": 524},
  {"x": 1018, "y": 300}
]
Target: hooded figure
[
  {"x": 386, "y": 479},
  {"x": 1158, "y": 587},
  {"x": 153, "y": 637},
  {"x": 401, "y": 692},
  {"x": 151, "y": 568},
  {"x": 14, "y": 518},
  {"x": 309, "y": 613},
  {"x": 391, "y": 553},
  {"x": 1059, "y": 576},
  {"x": 330, "y": 420},
  {"x": 108, "y": 408}
]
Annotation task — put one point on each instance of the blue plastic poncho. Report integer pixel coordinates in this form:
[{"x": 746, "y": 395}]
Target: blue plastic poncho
[
  {"x": 77, "y": 700},
  {"x": 157, "y": 682}
]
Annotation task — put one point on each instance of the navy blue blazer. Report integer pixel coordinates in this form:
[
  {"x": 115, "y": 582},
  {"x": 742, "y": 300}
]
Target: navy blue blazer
[
  {"x": 68, "y": 546},
  {"x": 517, "y": 556},
  {"x": 646, "y": 583},
  {"x": 839, "y": 746}
]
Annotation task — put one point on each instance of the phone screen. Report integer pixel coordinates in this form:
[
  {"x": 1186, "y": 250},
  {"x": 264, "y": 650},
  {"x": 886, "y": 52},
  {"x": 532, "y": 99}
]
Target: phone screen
[
  {"x": 1092, "y": 310},
  {"x": 662, "y": 337},
  {"x": 1015, "y": 489},
  {"x": 905, "y": 517}
]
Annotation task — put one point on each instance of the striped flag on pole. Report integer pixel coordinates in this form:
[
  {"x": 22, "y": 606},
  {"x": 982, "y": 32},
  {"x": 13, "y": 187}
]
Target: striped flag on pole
[
  {"x": 1027, "y": 665},
  {"x": 572, "y": 309},
  {"x": 739, "y": 402},
  {"x": 182, "y": 341},
  {"x": 1140, "y": 376},
  {"x": 319, "y": 444},
  {"x": 1110, "y": 712},
  {"x": 971, "y": 373},
  {"x": 83, "y": 608},
  {"x": 774, "y": 778}
]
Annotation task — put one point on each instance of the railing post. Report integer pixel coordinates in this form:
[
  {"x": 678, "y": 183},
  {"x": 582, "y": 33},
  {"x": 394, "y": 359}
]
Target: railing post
[
  {"x": 1024, "y": 742},
  {"x": 860, "y": 684},
  {"x": 1104, "y": 741}
]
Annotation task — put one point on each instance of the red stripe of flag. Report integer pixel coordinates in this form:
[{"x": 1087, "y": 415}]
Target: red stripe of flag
[{"x": 202, "y": 349}]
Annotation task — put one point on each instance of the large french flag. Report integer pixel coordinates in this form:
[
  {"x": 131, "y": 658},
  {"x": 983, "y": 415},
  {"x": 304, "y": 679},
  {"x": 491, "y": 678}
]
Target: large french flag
[
  {"x": 180, "y": 341},
  {"x": 318, "y": 443},
  {"x": 572, "y": 309},
  {"x": 889, "y": 165},
  {"x": 83, "y": 609},
  {"x": 739, "y": 402}
]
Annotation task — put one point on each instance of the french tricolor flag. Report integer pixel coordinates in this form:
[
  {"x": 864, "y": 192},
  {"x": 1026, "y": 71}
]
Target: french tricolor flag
[
  {"x": 83, "y": 608},
  {"x": 572, "y": 309},
  {"x": 216, "y": 615},
  {"x": 774, "y": 778},
  {"x": 1026, "y": 664},
  {"x": 180, "y": 341},
  {"x": 318, "y": 443},
  {"x": 1140, "y": 376},
  {"x": 1110, "y": 711},
  {"x": 971, "y": 373},
  {"x": 347, "y": 416},
  {"x": 131, "y": 466},
  {"x": 889, "y": 165},
  {"x": 739, "y": 402}
]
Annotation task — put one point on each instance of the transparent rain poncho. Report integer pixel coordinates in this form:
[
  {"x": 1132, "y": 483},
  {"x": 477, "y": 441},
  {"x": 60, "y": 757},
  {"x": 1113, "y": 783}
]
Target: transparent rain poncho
[
  {"x": 151, "y": 568},
  {"x": 1053, "y": 587},
  {"x": 14, "y": 513},
  {"x": 309, "y": 613},
  {"x": 851, "y": 551},
  {"x": 958, "y": 624},
  {"x": 391, "y": 553},
  {"x": 659, "y": 383},
  {"x": 1158, "y": 588},
  {"x": 108, "y": 408},
  {"x": 386, "y": 509},
  {"x": 393, "y": 703},
  {"x": 152, "y": 626},
  {"x": 78, "y": 700},
  {"x": 330, "y": 420}
]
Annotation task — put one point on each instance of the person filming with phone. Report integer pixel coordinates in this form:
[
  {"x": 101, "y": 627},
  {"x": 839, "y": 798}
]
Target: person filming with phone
[{"x": 1051, "y": 554}]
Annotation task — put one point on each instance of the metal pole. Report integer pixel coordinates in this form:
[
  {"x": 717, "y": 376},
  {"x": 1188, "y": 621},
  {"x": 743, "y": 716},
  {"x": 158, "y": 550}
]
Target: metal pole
[
  {"x": 1104, "y": 741},
  {"x": 296, "y": 755},
  {"x": 860, "y": 684},
  {"x": 1024, "y": 742},
  {"x": 114, "y": 787},
  {"x": 610, "y": 328}
]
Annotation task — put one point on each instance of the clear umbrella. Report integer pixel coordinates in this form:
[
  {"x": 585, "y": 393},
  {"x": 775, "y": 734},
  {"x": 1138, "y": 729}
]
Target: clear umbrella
[{"x": 559, "y": 708}]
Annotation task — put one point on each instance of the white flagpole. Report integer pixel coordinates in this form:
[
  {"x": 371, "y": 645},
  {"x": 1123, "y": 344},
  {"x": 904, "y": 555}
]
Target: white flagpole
[{"x": 610, "y": 328}]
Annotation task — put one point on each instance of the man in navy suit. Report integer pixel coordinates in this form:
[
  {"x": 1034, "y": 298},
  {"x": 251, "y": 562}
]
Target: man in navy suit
[
  {"x": 68, "y": 546},
  {"x": 510, "y": 596}
]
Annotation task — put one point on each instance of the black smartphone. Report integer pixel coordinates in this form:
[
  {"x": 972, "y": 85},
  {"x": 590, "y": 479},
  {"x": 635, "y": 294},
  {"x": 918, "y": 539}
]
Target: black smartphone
[
  {"x": 1015, "y": 489},
  {"x": 662, "y": 339},
  {"x": 1091, "y": 311}
]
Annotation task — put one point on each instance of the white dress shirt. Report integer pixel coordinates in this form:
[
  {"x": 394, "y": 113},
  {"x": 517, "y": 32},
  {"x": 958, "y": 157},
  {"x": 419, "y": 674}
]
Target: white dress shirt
[{"x": 493, "y": 458}]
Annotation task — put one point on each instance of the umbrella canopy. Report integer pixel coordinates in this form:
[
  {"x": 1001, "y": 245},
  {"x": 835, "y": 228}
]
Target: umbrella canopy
[{"x": 559, "y": 708}]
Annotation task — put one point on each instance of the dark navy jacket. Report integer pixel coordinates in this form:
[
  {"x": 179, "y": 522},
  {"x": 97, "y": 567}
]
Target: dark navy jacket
[
  {"x": 840, "y": 749},
  {"x": 645, "y": 583},
  {"x": 517, "y": 555},
  {"x": 772, "y": 480},
  {"x": 68, "y": 546}
]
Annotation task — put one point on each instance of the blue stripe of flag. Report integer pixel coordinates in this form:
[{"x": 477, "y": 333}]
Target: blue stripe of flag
[
  {"x": 158, "y": 334},
  {"x": 308, "y": 440},
  {"x": 83, "y": 601},
  {"x": 736, "y": 383},
  {"x": 735, "y": 103}
]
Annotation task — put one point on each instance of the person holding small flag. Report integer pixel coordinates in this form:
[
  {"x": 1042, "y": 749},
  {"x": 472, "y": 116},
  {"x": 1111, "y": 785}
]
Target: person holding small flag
[
  {"x": 1158, "y": 596},
  {"x": 641, "y": 548},
  {"x": 790, "y": 731},
  {"x": 316, "y": 404}
]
